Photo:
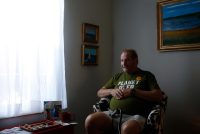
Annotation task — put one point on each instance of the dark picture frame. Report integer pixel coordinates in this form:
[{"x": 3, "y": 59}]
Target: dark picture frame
[
  {"x": 89, "y": 54},
  {"x": 178, "y": 25},
  {"x": 90, "y": 33}
]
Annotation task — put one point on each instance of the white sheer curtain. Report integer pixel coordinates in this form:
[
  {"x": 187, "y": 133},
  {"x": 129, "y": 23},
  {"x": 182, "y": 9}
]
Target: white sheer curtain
[{"x": 32, "y": 66}]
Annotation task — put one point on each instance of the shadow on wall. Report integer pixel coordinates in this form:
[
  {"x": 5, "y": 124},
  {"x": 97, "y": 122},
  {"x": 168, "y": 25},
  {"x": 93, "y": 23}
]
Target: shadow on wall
[
  {"x": 196, "y": 125},
  {"x": 184, "y": 125}
]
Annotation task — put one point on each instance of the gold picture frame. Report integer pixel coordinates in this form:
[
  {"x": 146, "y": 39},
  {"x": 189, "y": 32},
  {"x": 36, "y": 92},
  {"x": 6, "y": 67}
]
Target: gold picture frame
[
  {"x": 89, "y": 54},
  {"x": 90, "y": 33},
  {"x": 178, "y": 25}
]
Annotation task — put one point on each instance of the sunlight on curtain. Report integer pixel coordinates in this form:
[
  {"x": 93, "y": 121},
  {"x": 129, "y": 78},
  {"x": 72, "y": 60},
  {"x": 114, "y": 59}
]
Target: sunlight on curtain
[{"x": 32, "y": 66}]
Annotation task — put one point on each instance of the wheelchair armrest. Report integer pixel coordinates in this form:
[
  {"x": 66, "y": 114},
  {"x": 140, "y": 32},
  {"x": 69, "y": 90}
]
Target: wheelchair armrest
[
  {"x": 102, "y": 105},
  {"x": 157, "y": 111},
  {"x": 154, "y": 116},
  {"x": 155, "y": 119}
]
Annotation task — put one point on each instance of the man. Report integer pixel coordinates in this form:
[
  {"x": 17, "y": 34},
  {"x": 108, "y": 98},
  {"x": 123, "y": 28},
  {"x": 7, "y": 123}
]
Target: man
[{"x": 133, "y": 91}]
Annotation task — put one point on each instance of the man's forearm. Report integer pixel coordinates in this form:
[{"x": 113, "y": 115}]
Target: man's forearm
[
  {"x": 104, "y": 92},
  {"x": 154, "y": 95}
]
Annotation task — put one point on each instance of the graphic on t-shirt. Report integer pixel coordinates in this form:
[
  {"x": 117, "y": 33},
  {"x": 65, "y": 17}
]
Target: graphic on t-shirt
[{"x": 129, "y": 83}]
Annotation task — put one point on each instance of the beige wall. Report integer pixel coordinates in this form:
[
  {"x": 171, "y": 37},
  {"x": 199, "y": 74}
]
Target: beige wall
[
  {"x": 177, "y": 72},
  {"x": 84, "y": 81}
]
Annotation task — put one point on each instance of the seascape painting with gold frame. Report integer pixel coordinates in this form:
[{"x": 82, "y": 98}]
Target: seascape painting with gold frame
[{"x": 178, "y": 25}]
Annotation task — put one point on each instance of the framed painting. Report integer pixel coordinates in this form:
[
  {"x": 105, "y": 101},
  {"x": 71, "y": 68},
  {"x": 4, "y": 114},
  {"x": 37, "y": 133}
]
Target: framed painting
[
  {"x": 178, "y": 25},
  {"x": 89, "y": 55},
  {"x": 52, "y": 109},
  {"x": 90, "y": 33}
]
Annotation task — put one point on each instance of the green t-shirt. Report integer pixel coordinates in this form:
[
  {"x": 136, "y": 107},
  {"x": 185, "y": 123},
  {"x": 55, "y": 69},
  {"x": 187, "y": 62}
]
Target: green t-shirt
[{"x": 143, "y": 80}]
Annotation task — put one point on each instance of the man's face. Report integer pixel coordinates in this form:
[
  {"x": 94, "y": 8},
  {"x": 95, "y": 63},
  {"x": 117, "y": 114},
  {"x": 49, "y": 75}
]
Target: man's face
[{"x": 128, "y": 63}]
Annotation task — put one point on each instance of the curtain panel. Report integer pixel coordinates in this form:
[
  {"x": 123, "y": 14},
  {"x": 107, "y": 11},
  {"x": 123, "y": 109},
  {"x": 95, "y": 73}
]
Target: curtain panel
[{"x": 32, "y": 68}]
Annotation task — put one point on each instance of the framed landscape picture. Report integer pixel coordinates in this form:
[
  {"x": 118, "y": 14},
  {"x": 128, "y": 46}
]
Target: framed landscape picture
[
  {"x": 178, "y": 24},
  {"x": 89, "y": 55},
  {"x": 90, "y": 33}
]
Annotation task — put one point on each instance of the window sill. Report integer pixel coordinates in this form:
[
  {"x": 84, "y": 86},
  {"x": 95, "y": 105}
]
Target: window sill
[{"x": 20, "y": 120}]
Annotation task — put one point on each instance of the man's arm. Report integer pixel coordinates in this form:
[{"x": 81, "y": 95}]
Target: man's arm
[
  {"x": 153, "y": 95},
  {"x": 117, "y": 93}
]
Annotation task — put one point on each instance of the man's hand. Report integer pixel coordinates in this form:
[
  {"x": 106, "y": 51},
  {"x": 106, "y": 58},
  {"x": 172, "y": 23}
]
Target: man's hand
[
  {"x": 127, "y": 92},
  {"x": 117, "y": 93},
  {"x": 121, "y": 93}
]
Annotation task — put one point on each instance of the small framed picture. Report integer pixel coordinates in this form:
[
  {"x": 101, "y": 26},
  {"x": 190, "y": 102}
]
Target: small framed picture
[
  {"x": 90, "y": 33},
  {"x": 89, "y": 55},
  {"x": 52, "y": 109}
]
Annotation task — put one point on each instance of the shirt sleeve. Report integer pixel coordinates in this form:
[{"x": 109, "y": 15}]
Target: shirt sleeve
[
  {"x": 110, "y": 84},
  {"x": 152, "y": 82}
]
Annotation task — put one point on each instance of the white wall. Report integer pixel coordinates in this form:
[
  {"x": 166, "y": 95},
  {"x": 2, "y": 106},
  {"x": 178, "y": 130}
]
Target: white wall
[
  {"x": 178, "y": 73},
  {"x": 84, "y": 81}
]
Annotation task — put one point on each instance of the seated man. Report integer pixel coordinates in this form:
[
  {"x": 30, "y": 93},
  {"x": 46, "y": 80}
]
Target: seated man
[{"x": 133, "y": 91}]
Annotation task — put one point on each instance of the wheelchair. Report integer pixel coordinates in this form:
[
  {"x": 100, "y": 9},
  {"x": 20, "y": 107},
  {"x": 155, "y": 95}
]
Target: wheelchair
[{"x": 155, "y": 119}]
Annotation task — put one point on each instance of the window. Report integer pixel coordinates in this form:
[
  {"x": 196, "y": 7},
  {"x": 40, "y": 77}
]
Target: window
[{"x": 32, "y": 68}]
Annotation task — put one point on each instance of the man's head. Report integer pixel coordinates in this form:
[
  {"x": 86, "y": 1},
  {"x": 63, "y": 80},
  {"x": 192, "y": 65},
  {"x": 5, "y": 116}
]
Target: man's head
[{"x": 129, "y": 60}]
